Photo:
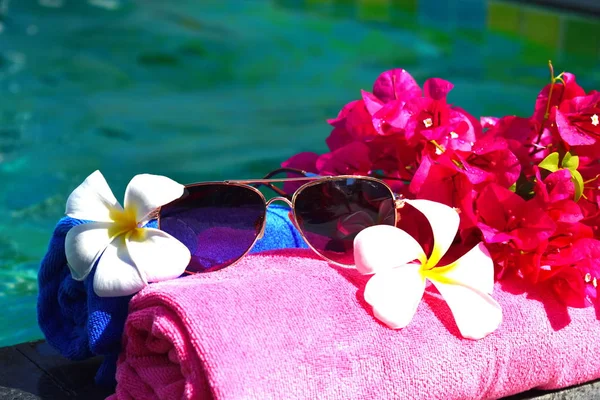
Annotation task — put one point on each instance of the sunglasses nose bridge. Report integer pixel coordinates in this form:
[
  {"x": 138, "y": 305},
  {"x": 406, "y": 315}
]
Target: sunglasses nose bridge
[{"x": 289, "y": 203}]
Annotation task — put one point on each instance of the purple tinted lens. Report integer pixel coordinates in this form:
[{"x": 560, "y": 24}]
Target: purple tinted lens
[
  {"x": 332, "y": 212},
  {"x": 217, "y": 222}
]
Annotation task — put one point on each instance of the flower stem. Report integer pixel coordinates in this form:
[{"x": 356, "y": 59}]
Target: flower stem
[
  {"x": 592, "y": 180},
  {"x": 552, "y": 82}
]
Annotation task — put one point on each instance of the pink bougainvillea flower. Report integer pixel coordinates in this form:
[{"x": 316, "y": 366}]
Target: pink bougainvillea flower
[
  {"x": 359, "y": 123},
  {"x": 437, "y": 89},
  {"x": 395, "y": 84},
  {"x": 488, "y": 122},
  {"x": 568, "y": 285},
  {"x": 587, "y": 250},
  {"x": 590, "y": 204},
  {"x": 555, "y": 254},
  {"x": 524, "y": 140},
  {"x": 561, "y": 249},
  {"x": 504, "y": 216},
  {"x": 486, "y": 168},
  {"x": 305, "y": 161},
  {"x": 572, "y": 270},
  {"x": 589, "y": 167},
  {"x": 510, "y": 127},
  {"x": 339, "y": 136},
  {"x": 432, "y": 110},
  {"x": 401, "y": 269},
  {"x": 388, "y": 158},
  {"x": 560, "y": 93},
  {"x": 352, "y": 159},
  {"x": 475, "y": 130},
  {"x": 352, "y": 123},
  {"x": 391, "y": 90},
  {"x": 433, "y": 118},
  {"x": 492, "y": 161},
  {"x": 426, "y": 113},
  {"x": 384, "y": 152},
  {"x": 456, "y": 135},
  {"x": 578, "y": 120},
  {"x": 443, "y": 182},
  {"x": 555, "y": 194},
  {"x": 388, "y": 118},
  {"x": 372, "y": 103},
  {"x": 556, "y": 187},
  {"x": 340, "y": 120}
]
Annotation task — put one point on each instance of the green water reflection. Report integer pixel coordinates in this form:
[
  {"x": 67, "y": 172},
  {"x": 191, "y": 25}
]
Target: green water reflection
[{"x": 228, "y": 89}]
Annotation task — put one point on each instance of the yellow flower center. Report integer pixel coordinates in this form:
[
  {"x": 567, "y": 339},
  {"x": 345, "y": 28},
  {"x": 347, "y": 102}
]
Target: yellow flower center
[
  {"x": 595, "y": 120},
  {"x": 123, "y": 221},
  {"x": 438, "y": 273}
]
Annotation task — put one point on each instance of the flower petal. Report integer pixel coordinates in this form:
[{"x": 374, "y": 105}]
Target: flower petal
[
  {"x": 383, "y": 247},
  {"x": 146, "y": 192},
  {"x": 395, "y": 294},
  {"x": 372, "y": 103},
  {"x": 116, "y": 274},
  {"x": 92, "y": 200},
  {"x": 444, "y": 222},
  {"x": 83, "y": 245},
  {"x": 474, "y": 269},
  {"x": 437, "y": 88},
  {"x": 396, "y": 84},
  {"x": 476, "y": 313},
  {"x": 158, "y": 255}
]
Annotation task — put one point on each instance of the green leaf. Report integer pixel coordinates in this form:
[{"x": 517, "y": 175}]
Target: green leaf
[
  {"x": 578, "y": 181},
  {"x": 570, "y": 162},
  {"x": 513, "y": 187},
  {"x": 550, "y": 163}
]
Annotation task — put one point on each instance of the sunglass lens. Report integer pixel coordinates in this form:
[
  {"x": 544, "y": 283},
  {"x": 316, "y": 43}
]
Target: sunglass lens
[
  {"x": 332, "y": 212},
  {"x": 217, "y": 222}
]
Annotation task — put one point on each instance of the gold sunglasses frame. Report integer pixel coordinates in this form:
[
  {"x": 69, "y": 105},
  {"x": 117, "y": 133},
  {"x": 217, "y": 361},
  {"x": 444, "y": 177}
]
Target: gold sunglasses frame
[{"x": 312, "y": 180}]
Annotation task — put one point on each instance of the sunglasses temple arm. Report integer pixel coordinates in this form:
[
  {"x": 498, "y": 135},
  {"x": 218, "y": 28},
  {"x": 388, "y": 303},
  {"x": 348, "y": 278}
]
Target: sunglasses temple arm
[
  {"x": 288, "y": 170},
  {"x": 306, "y": 173},
  {"x": 390, "y": 178}
]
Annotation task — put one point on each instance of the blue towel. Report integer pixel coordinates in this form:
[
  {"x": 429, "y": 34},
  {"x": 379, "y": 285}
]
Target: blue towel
[{"x": 79, "y": 324}]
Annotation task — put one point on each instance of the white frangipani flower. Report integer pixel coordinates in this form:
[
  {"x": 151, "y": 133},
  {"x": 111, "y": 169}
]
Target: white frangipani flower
[
  {"x": 128, "y": 255},
  {"x": 402, "y": 268}
]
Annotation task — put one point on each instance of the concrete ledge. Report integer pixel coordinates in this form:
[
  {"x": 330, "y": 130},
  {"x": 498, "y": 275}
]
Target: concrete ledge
[{"x": 33, "y": 371}]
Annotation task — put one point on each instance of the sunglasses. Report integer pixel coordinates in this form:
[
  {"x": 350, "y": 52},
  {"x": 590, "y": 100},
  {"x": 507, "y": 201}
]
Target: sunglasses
[{"x": 219, "y": 222}]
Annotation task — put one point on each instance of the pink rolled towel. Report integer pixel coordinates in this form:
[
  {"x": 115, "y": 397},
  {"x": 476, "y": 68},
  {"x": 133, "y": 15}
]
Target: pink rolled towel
[{"x": 286, "y": 325}]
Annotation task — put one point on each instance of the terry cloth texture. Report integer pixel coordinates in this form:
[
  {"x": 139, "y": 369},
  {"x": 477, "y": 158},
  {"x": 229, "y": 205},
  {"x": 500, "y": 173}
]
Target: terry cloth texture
[
  {"x": 287, "y": 325},
  {"x": 79, "y": 324}
]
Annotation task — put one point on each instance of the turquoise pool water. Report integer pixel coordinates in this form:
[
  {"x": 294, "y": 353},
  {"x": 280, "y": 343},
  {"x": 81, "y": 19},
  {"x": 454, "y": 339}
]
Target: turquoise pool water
[{"x": 200, "y": 90}]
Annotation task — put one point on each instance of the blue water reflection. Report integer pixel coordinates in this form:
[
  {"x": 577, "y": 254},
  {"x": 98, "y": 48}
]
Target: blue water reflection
[{"x": 205, "y": 90}]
